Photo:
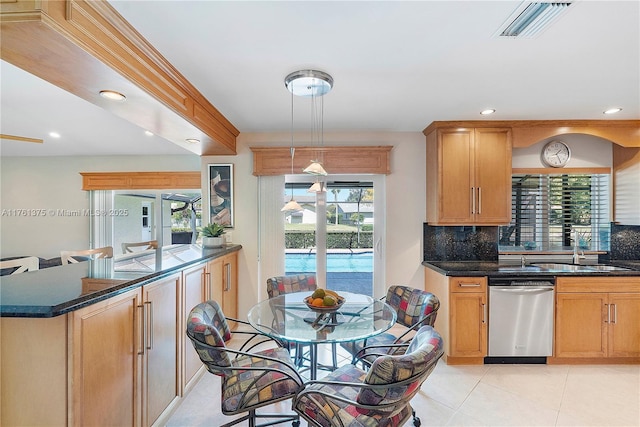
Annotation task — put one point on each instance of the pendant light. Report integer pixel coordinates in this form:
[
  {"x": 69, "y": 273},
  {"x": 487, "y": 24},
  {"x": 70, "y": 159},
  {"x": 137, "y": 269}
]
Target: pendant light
[
  {"x": 314, "y": 84},
  {"x": 291, "y": 206}
]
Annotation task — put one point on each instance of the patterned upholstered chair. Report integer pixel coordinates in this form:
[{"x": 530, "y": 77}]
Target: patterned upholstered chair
[
  {"x": 380, "y": 396},
  {"x": 414, "y": 308},
  {"x": 279, "y": 285},
  {"x": 250, "y": 379}
]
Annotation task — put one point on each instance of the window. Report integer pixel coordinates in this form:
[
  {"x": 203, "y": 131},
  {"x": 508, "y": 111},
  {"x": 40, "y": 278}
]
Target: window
[{"x": 551, "y": 212}]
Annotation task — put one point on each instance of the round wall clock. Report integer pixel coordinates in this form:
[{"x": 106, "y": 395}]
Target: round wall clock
[{"x": 556, "y": 154}]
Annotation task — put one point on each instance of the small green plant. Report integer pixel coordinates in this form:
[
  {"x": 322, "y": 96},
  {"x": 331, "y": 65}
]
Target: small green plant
[{"x": 213, "y": 230}]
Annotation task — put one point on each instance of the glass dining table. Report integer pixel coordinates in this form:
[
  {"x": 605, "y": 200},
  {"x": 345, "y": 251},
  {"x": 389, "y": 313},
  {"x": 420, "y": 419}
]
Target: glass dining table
[{"x": 287, "y": 318}]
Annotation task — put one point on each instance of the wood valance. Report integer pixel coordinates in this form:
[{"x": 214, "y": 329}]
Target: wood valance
[
  {"x": 140, "y": 180},
  {"x": 352, "y": 159},
  {"x": 625, "y": 133},
  {"x": 85, "y": 46}
]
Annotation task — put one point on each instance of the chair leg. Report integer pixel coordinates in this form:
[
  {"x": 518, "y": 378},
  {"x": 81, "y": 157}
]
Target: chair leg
[
  {"x": 334, "y": 355},
  {"x": 252, "y": 417},
  {"x": 416, "y": 420}
]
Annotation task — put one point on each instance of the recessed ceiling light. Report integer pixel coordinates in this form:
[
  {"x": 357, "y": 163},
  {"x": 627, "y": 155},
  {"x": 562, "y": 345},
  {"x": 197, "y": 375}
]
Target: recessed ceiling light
[
  {"x": 487, "y": 112},
  {"x": 192, "y": 140},
  {"x": 612, "y": 110},
  {"x": 54, "y": 134},
  {"x": 112, "y": 95},
  {"x": 148, "y": 133}
]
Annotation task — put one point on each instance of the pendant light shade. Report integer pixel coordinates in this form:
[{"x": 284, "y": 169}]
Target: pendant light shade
[
  {"x": 316, "y": 187},
  {"x": 315, "y": 168},
  {"x": 291, "y": 206}
]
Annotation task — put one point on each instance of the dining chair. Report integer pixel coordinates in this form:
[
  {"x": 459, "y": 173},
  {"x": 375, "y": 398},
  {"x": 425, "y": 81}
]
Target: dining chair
[
  {"x": 414, "y": 308},
  {"x": 380, "y": 396},
  {"x": 250, "y": 379},
  {"x": 21, "y": 265},
  {"x": 286, "y": 284},
  {"x": 67, "y": 257},
  {"x": 151, "y": 244}
]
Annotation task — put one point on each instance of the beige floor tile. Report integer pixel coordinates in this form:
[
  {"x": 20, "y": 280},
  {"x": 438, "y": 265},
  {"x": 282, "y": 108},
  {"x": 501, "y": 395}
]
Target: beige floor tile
[
  {"x": 543, "y": 384},
  {"x": 450, "y": 385},
  {"x": 493, "y": 406}
]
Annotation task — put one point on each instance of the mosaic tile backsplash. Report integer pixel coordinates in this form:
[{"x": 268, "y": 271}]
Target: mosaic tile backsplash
[
  {"x": 461, "y": 243},
  {"x": 625, "y": 242}
]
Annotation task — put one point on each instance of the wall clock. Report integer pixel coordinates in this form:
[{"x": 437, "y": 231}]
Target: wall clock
[{"x": 556, "y": 154}]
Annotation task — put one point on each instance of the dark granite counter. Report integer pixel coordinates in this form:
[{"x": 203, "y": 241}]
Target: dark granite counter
[
  {"x": 58, "y": 290},
  {"x": 495, "y": 269}
]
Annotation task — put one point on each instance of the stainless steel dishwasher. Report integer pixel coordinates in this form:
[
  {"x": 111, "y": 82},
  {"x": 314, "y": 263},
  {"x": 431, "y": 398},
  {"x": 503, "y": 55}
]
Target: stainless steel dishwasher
[{"x": 520, "y": 319}]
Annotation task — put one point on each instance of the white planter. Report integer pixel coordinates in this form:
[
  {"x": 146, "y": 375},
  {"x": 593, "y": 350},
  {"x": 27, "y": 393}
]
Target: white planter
[{"x": 212, "y": 242}]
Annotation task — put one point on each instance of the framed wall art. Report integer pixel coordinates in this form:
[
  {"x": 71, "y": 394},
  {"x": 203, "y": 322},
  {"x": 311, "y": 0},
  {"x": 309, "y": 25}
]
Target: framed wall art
[{"x": 221, "y": 194}]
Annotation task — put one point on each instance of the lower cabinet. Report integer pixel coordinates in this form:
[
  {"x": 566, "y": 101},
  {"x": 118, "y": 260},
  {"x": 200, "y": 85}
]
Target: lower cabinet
[
  {"x": 196, "y": 286},
  {"x": 223, "y": 274},
  {"x": 134, "y": 369},
  {"x": 462, "y": 317},
  {"x": 597, "y": 317}
]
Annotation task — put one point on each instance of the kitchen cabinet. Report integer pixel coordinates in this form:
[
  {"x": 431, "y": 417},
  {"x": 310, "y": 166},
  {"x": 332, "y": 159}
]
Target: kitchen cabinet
[
  {"x": 195, "y": 282},
  {"x": 462, "y": 317},
  {"x": 106, "y": 361},
  {"x": 469, "y": 176},
  {"x": 125, "y": 356},
  {"x": 223, "y": 274},
  {"x": 597, "y": 317}
]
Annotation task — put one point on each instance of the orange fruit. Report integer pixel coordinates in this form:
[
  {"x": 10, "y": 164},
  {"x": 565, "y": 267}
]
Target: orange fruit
[{"x": 317, "y": 302}]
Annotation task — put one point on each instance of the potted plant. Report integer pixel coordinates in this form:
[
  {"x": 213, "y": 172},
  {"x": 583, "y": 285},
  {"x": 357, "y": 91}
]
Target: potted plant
[{"x": 212, "y": 235}]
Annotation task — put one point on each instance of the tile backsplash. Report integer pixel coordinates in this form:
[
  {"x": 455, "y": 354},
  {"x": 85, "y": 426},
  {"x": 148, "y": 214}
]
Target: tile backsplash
[
  {"x": 460, "y": 243},
  {"x": 625, "y": 242}
]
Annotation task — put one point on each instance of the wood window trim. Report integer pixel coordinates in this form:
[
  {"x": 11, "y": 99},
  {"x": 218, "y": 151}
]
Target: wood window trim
[
  {"x": 270, "y": 161},
  {"x": 141, "y": 180},
  {"x": 561, "y": 171},
  {"x": 625, "y": 133}
]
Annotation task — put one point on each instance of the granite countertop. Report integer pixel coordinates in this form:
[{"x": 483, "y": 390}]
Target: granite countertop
[
  {"x": 58, "y": 290},
  {"x": 495, "y": 269}
]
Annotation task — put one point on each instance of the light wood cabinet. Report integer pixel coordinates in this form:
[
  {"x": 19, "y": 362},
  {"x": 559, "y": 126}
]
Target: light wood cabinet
[
  {"x": 106, "y": 361},
  {"x": 462, "y": 317},
  {"x": 469, "y": 176},
  {"x": 162, "y": 337},
  {"x": 597, "y": 317},
  {"x": 196, "y": 289},
  {"x": 223, "y": 274}
]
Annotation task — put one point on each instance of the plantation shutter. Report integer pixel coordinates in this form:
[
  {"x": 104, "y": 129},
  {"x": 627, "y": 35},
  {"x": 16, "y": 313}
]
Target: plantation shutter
[{"x": 548, "y": 211}]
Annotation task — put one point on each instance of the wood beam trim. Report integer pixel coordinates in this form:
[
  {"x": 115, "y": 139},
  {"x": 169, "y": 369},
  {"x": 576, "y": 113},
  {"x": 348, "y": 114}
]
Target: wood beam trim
[
  {"x": 269, "y": 161},
  {"x": 625, "y": 133},
  {"x": 141, "y": 180},
  {"x": 83, "y": 46}
]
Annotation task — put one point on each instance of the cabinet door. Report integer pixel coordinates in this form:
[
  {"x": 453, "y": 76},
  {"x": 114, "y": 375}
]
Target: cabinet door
[
  {"x": 455, "y": 171},
  {"x": 492, "y": 173},
  {"x": 195, "y": 290},
  {"x": 230, "y": 286},
  {"x": 581, "y": 326},
  {"x": 468, "y": 324},
  {"x": 624, "y": 325},
  {"x": 106, "y": 362},
  {"x": 215, "y": 276},
  {"x": 162, "y": 336}
]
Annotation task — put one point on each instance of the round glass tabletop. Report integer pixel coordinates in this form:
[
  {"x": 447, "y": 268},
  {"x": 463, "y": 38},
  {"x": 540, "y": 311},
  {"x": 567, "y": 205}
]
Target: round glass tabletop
[{"x": 288, "y": 317}]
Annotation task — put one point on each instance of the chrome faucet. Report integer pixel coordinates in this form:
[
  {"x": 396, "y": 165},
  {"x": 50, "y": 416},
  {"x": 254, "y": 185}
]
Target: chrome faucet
[
  {"x": 576, "y": 257},
  {"x": 523, "y": 261}
]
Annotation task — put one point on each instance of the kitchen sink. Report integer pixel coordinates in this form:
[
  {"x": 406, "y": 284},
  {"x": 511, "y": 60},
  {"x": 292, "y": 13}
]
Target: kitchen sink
[
  {"x": 574, "y": 267},
  {"x": 562, "y": 267}
]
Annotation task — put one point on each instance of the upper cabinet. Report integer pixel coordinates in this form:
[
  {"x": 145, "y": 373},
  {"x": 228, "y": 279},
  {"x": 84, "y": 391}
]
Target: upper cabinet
[{"x": 469, "y": 176}]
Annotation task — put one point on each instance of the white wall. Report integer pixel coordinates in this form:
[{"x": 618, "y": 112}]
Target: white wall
[
  {"x": 586, "y": 151},
  {"x": 54, "y": 183},
  {"x": 405, "y": 207}
]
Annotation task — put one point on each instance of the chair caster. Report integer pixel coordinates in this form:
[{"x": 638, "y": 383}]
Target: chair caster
[
  {"x": 296, "y": 424},
  {"x": 416, "y": 422}
]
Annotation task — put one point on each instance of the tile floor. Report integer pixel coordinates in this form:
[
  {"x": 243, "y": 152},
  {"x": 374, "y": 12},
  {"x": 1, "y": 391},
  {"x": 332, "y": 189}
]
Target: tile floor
[{"x": 487, "y": 395}]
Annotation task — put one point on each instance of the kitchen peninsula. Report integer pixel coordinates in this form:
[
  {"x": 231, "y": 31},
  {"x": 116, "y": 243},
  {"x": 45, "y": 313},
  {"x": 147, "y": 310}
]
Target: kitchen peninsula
[{"x": 102, "y": 342}]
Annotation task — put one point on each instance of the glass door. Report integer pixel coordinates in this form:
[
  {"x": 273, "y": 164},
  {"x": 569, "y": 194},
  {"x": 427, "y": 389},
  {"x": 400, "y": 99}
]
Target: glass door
[{"x": 337, "y": 235}]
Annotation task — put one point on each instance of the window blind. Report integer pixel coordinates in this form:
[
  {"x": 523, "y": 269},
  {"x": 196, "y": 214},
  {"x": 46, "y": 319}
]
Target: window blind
[{"x": 557, "y": 211}]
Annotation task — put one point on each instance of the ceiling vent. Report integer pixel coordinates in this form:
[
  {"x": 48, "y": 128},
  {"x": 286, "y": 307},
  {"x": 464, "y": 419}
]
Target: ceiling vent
[{"x": 530, "y": 19}]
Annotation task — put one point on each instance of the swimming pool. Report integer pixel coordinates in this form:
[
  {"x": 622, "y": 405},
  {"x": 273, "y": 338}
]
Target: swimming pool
[{"x": 336, "y": 262}]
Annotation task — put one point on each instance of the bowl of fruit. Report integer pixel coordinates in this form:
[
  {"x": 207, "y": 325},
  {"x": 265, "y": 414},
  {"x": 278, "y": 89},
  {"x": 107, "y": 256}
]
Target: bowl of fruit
[{"x": 324, "y": 300}]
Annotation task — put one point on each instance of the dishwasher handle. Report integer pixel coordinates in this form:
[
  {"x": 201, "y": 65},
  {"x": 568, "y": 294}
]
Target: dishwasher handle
[{"x": 523, "y": 290}]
